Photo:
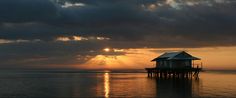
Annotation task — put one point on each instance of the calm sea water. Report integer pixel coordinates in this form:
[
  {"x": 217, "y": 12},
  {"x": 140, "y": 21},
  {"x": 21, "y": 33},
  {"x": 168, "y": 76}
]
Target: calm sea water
[{"x": 44, "y": 84}]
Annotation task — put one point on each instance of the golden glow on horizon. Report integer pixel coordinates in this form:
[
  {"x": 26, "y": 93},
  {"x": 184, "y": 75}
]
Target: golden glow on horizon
[
  {"x": 106, "y": 62},
  {"x": 134, "y": 59},
  {"x": 106, "y": 85},
  {"x": 212, "y": 58}
]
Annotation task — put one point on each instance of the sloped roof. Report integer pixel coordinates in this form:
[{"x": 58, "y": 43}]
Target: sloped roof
[{"x": 180, "y": 55}]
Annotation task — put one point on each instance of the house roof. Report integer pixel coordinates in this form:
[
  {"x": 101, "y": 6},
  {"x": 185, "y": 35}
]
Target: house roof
[{"x": 180, "y": 55}]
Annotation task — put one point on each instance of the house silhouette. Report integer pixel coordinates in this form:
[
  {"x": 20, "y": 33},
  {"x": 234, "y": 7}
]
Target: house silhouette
[{"x": 175, "y": 64}]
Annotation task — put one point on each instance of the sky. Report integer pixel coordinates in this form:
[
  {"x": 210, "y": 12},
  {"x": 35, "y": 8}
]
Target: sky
[{"x": 115, "y": 34}]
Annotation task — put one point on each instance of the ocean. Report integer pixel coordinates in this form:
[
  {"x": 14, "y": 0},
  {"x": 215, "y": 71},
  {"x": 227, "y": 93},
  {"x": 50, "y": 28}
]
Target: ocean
[{"x": 31, "y": 84}]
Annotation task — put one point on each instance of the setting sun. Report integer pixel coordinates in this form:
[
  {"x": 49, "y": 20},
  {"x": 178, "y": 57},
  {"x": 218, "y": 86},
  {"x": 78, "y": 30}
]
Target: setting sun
[{"x": 106, "y": 49}]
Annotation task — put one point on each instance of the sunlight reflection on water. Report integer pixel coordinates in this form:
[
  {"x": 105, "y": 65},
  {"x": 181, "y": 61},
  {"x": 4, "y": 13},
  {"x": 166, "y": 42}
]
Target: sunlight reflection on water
[
  {"x": 106, "y": 84},
  {"x": 114, "y": 85}
]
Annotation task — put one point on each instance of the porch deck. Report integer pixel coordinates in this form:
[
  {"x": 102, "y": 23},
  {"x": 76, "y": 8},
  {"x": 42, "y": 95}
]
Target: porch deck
[{"x": 173, "y": 72}]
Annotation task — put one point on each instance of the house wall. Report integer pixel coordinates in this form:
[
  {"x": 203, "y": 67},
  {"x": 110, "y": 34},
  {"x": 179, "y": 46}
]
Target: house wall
[
  {"x": 163, "y": 64},
  {"x": 181, "y": 63},
  {"x": 174, "y": 64}
]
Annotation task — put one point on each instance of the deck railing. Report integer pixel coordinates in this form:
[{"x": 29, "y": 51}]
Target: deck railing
[{"x": 197, "y": 65}]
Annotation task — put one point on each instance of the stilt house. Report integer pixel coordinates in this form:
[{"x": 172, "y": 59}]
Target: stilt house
[
  {"x": 175, "y": 64},
  {"x": 175, "y": 60}
]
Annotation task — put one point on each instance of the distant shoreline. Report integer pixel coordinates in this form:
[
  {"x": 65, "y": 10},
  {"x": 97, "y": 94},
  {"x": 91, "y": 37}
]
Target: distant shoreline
[{"x": 92, "y": 71}]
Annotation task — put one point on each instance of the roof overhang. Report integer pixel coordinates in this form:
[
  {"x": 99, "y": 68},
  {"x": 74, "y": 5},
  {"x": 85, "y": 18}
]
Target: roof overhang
[
  {"x": 175, "y": 56},
  {"x": 159, "y": 59}
]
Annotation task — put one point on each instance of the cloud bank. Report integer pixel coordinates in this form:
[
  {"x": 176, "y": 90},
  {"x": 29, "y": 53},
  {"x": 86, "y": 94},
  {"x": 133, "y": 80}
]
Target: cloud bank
[{"x": 49, "y": 29}]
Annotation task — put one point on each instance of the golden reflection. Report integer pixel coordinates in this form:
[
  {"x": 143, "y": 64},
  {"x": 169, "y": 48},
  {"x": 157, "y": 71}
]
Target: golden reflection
[{"x": 106, "y": 85}]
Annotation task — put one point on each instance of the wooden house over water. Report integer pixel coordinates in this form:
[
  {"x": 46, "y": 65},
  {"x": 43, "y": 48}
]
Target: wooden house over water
[{"x": 175, "y": 64}]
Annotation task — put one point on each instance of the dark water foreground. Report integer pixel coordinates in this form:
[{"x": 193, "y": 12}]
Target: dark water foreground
[{"x": 36, "y": 84}]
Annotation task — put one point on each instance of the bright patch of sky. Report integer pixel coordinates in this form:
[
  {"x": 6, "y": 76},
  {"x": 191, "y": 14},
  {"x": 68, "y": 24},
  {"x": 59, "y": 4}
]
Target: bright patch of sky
[
  {"x": 5, "y": 41},
  {"x": 80, "y": 38},
  {"x": 180, "y": 4},
  {"x": 68, "y": 4}
]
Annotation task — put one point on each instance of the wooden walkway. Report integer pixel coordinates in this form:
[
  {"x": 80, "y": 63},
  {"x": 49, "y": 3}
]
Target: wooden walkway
[{"x": 173, "y": 72}]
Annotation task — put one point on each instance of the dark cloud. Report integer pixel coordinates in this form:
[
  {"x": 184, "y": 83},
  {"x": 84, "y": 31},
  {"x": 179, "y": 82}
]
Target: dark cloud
[
  {"x": 163, "y": 22},
  {"x": 26, "y": 10},
  {"x": 128, "y": 24}
]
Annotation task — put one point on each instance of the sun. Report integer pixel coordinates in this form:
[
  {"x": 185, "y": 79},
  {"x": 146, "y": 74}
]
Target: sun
[{"x": 106, "y": 50}]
